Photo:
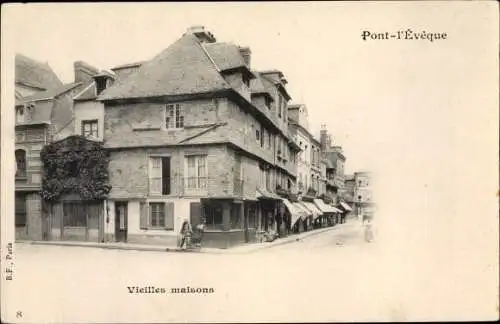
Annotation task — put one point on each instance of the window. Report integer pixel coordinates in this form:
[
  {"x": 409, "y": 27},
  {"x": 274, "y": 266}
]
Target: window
[
  {"x": 268, "y": 179},
  {"x": 90, "y": 128},
  {"x": 20, "y": 114},
  {"x": 159, "y": 175},
  {"x": 246, "y": 80},
  {"x": 257, "y": 135},
  {"x": 174, "y": 117},
  {"x": 268, "y": 102},
  {"x": 196, "y": 172},
  {"x": 280, "y": 105},
  {"x": 270, "y": 141},
  {"x": 236, "y": 216},
  {"x": 101, "y": 83},
  {"x": 20, "y": 163},
  {"x": 213, "y": 215},
  {"x": 157, "y": 214},
  {"x": 263, "y": 138}
]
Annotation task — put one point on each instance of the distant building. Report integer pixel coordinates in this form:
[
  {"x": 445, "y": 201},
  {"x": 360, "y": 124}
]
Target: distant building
[
  {"x": 309, "y": 158},
  {"x": 362, "y": 194},
  {"x": 335, "y": 161}
]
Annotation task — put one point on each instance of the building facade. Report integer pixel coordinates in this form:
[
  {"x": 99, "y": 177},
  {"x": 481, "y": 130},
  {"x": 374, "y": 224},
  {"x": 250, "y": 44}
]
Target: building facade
[
  {"x": 181, "y": 149},
  {"x": 335, "y": 160},
  {"x": 43, "y": 109},
  {"x": 362, "y": 193}
]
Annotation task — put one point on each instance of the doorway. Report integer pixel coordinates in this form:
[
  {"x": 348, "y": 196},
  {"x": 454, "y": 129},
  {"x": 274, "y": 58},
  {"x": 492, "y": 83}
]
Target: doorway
[{"x": 121, "y": 221}]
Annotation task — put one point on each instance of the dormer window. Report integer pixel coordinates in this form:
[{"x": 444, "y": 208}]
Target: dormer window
[
  {"x": 174, "y": 118},
  {"x": 246, "y": 80},
  {"x": 268, "y": 102},
  {"x": 101, "y": 84},
  {"x": 20, "y": 115}
]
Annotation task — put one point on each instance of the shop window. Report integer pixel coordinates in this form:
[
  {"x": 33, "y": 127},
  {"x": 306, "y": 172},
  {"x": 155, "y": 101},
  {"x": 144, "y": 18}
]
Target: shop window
[
  {"x": 235, "y": 216},
  {"x": 213, "y": 215}
]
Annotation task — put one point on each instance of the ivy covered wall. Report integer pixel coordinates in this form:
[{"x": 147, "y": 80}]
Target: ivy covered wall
[{"x": 75, "y": 165}]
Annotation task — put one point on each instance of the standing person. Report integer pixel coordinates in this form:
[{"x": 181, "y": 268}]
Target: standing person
[
  {"x": 278, "y": 219},
  {"x": 185, "y": 234},
  {"x": 200, "y": 228}
]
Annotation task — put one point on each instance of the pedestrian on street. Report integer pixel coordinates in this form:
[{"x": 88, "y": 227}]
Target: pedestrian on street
[
  {"x": 185, "y": 234},
  {"x": 200, "y": 228}
]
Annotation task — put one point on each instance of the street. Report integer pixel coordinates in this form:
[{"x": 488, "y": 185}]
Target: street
[{"x": 331, "y": 276}]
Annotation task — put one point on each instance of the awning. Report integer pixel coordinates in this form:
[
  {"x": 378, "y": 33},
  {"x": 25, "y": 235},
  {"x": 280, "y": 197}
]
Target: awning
[
  {"x": 337, "y": 210},
  {"x": 324, "y": 207},
  {"x": 306, "y": 212},
  {"x": 294, "y": 212},
  {"x": 264, "y": 194},
  {"x": 315, "y": 211},
  {"x": 345, "y": 206}
]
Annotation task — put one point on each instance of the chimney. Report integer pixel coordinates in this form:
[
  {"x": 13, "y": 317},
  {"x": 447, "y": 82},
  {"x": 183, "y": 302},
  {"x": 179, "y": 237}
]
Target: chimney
[
  {"x": 84, "y": 72},
  {"x": 246, "y": 53},
  {"x": 329, "y": 142},
  {"x": 204, "y": 36}
]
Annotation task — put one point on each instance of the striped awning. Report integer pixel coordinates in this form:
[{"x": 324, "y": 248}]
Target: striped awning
[
  {"x": 345, "y": 206},
  {"x": 294, "y": 212},
  {"x": 306, "y": 212},
  {"x": 324, "y": 207},
  {"x": 314, "y": 210}
]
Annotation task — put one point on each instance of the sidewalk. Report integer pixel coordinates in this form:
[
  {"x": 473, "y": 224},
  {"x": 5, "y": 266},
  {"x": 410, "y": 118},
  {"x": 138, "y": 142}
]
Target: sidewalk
[{"x": 246, "y": 248}]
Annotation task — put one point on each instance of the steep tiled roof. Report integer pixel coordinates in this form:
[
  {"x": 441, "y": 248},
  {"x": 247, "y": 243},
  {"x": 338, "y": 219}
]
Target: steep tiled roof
[
  {"x": 183, "y": 68},
  {"x": 225, "y": 55},
  {"x": 89, "y": 93},
  {"x": 50, "y": 94},
  {"x": 259, "y": 85},
  {"x": 35, "y": 74}
]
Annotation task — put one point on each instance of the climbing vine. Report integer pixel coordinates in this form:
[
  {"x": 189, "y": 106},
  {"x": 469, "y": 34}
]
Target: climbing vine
[{"x": 75, "y": 165}]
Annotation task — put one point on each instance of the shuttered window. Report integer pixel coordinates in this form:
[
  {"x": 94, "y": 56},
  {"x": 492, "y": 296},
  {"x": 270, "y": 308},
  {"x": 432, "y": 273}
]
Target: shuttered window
[
  {"x": 155, "y": 173},
  {"x": 157, "y": 215}
]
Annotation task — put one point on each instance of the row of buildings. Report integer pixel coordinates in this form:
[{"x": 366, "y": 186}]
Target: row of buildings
[{"x": 129, "y": 153}]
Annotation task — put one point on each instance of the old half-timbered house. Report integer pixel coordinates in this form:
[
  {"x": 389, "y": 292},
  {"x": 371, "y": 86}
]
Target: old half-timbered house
[{"x": 185, "y": 143}]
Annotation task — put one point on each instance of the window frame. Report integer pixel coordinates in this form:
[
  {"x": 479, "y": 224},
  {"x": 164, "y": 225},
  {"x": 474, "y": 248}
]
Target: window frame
[
  {"x": 91, "y": 123},
  {"x": 162, "y": 207},
  {"x": 203, "y": 184},
  {"x": 21, "y": 172},
  {"x": 178, "y": 120}
]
